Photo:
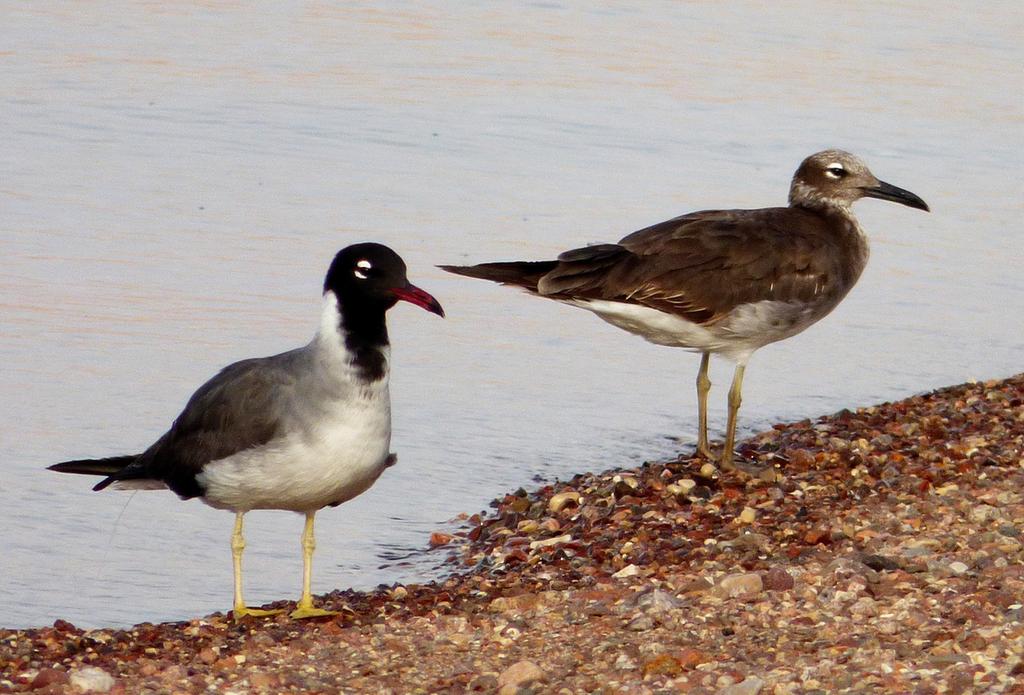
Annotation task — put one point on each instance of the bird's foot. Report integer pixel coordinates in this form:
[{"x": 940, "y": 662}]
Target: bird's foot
[
  {"x": 239, "y": 612},
  {"x": 307, "y": 610},
  {"x": 765, "y": 473},
  {"x": 704, "y": 451}
]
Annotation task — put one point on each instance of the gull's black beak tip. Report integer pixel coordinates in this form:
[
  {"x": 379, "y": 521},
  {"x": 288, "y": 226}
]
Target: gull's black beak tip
[
  {"x": 895, "y": 194},
  {"x": 913, "y": 201}
]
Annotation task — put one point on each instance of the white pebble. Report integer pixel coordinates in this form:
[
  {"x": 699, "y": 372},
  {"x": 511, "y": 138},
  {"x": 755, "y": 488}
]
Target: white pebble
[
  {"x": 92, "y": 679},
  {"x": 627, "y": 571}
]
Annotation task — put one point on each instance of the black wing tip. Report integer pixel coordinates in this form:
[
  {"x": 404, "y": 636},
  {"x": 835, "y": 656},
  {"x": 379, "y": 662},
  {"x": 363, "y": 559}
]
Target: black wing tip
[
  {"x": 109, "y": 468},
  {"x": 524, "y": 274},
  {"x": 82, "y": 467},
  {"x": 457, "y": 269},
  {"x": 103, "y": 484},
  {"x": 86, "y": 468}
]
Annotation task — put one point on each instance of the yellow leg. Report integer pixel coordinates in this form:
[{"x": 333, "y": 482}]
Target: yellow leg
[
  {"x": 703, "y": 387},
  {"x": 304, "y": 608},
  {"x": 237, "y": 546},
  {"x": 734, "y": 406}
]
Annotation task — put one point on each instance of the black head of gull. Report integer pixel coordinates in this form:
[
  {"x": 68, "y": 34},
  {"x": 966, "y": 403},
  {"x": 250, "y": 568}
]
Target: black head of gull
[{"x": 366, "y": 280}]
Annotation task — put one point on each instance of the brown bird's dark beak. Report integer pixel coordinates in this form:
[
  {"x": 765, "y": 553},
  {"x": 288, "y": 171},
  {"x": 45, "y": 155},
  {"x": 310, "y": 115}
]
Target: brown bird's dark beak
[
  {"x": 886, "y": 191},
  {"x": 414, "y": 295}
]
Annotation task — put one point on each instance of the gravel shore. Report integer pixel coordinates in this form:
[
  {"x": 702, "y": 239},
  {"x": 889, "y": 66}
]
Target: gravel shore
[{"x": 883, "y": 553}]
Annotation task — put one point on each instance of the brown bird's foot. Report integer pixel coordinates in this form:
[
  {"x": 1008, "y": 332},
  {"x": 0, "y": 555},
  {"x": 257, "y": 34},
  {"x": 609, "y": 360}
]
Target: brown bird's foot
[
  {"x": 751, "y": 470},
  {"x": 704, "y": 451}
]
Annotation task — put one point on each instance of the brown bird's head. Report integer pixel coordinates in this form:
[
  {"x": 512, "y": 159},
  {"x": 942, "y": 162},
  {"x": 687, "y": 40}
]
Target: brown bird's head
[{"x": 835, "y": 179}]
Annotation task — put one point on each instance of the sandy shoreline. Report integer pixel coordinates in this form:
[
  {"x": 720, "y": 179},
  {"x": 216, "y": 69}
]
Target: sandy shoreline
[{"x": 887, "y": 556}]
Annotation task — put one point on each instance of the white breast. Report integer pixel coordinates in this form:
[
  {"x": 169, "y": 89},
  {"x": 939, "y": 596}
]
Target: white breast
[{"x": 328, "y": 464}]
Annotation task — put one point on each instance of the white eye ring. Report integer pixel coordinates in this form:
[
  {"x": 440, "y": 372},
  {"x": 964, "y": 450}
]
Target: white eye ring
[
  {"x": 364, "y": 265},
  {"x": 835, "y": 170}
]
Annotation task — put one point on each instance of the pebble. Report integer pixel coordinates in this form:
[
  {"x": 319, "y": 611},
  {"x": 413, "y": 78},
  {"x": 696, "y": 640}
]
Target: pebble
[
  {"x": 626, "y": 572},
  {"x": 662, "y": 665},
  {"x": 751, "y": 685},
  {"x": 777, "y": 579},
  {"x": 49, "y": 676},
  {"x": 528, "y": 526},
  {"x": 624, "y": 662},
  {"x": 748, "y": 515},
  {"x": 92, "y": 679},
  {"x": 916, "y": 551},
  {"x": 550, "y": 524},
  {"x": 958, "y": 567},
  {"x": 749, "y": 541},
  {"x": 695, "y": 585},
  {"x": 519, "y": 673},
  {"x": 690, "y": 658},
  {"x": 658, "y": 601},
  {"x": 739, "y": 585},
  {"x": 484, "y": 683},
  {"x": 548, "y": 542},
  {"x": 802, "y": 458},
  {"x": 437, "y": 539},
  {"x": 640, "y": 623},
  {"x": 686, "y": 484},
  {"x": 563, "y": 499},
  {"x": 258, "y": 679},
  {"x": 817, "y": 535},
  {"x": 880, "y": 562}
]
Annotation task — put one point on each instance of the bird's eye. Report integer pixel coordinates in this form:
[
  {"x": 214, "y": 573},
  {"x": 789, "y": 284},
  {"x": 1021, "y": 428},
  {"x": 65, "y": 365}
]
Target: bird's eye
[
  {"x": 361, "y": 269},
  {"x": 835, "y": 171}
]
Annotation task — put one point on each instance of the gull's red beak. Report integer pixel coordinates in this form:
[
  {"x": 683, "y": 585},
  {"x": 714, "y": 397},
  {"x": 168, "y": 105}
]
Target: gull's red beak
[{"x": 414, "y": 295}]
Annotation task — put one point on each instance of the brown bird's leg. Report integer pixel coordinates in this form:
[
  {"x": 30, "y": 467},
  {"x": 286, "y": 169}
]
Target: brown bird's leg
[
  {"x": 703, "y": 387},
  {"x": 735, "y": 398},
  {"x": 728, "y": 462}
]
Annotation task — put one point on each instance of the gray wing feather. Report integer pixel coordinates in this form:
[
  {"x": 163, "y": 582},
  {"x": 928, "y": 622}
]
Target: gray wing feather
[{"x": 240, "y": 408}]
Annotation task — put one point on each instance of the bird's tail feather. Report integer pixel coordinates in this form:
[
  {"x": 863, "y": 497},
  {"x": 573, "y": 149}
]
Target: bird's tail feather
[
  {"x": 107, "y": 466},
  {"x": 525, "y": 274}
]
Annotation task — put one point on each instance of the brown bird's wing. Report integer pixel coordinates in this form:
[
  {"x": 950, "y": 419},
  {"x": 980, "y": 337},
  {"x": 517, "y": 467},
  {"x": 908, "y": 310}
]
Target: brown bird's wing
[{"x": 702, "y": 265}]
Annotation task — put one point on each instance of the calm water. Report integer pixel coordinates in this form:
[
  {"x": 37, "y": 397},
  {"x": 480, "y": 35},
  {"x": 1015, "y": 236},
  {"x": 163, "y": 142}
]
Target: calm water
[{"x": 175, "y": 178}]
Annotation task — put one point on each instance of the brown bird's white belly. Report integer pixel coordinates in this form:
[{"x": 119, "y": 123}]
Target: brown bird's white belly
[{"x": 745, "y": 329}]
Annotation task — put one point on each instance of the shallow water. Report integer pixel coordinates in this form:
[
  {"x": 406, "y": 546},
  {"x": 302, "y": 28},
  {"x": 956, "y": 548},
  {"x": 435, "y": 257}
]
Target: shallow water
[{"x": 174, "y": 180}]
